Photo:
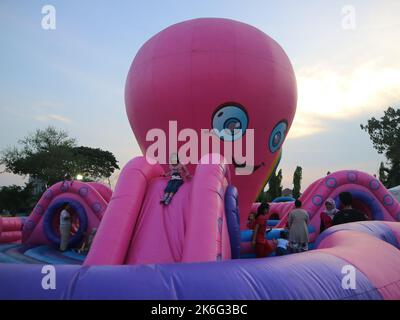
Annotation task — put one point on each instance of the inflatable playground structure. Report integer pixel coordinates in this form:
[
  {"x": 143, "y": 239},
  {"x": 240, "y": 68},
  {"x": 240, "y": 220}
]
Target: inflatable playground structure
[{"x": 198, "y": 246}]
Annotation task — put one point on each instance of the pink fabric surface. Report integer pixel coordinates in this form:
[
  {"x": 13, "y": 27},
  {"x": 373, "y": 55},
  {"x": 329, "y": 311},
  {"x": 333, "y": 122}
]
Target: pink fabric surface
[
  {"x": 395, "y": 226},
  {"x": 160, "y": 230},
  {"x": 204, "y": 240},
  {"x": 376, "y": 259},
  {"x": 136, "y": 228},
  {"x": 114, "y": 235}
]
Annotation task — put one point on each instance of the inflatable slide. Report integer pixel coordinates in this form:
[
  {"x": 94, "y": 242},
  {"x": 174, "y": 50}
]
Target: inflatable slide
[{"x": 137, "y": 229}]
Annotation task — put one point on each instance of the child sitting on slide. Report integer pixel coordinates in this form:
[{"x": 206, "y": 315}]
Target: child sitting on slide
[{"x": 177, "y": 173}]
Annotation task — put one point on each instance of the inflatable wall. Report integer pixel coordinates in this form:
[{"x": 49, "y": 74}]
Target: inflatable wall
[
  {"x": 11, "y": 229},
  {"x": 372, "y": 248}
]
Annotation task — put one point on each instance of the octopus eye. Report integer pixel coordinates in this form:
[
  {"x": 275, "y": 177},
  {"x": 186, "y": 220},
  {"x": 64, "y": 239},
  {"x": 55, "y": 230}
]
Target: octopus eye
[
  {"x": 277, "y": 136},
  {"x": 230, "y": 122}
]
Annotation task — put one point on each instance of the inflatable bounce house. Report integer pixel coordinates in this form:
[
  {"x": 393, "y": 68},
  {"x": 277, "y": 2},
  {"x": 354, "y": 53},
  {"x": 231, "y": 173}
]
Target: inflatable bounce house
[
  {"x": 204, "y": 74},
  {"x": 39, "y": 233}
]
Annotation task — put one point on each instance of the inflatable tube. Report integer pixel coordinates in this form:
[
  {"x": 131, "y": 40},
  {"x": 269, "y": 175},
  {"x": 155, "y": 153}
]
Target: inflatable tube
[
  {"x": 11, "y": 224},
  {"x": 115, "y": 232},
  {"x": 11, "y": 229},
  {"x": 283, "y": 199},
  {"x": 10, "y": 236},
  {"x": 102, "y": 189},
  {"x": 48, "y": 226},
  {"x": 233, "y": 220}
]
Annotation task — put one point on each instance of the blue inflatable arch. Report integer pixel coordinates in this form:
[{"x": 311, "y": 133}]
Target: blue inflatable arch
[{"x": 50, "y": 213}]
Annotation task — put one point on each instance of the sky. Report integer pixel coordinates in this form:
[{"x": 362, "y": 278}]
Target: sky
[{"x": 344, "y": 53}]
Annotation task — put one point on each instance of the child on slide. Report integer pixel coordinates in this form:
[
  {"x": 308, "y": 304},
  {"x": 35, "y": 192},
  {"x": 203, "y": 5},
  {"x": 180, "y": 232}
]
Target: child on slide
[{"x": 177, "y": 173}]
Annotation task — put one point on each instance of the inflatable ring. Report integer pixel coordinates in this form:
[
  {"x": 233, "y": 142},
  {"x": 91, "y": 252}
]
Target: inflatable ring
[{"x": 48, "y": 228}]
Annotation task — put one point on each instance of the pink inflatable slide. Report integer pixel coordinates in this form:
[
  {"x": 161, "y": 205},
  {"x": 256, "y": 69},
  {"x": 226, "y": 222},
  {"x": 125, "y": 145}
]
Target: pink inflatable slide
[{"x": 137, "y": 229}]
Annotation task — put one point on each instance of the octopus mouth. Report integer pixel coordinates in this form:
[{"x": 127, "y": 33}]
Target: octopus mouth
[{"x": 244, "y": 165}]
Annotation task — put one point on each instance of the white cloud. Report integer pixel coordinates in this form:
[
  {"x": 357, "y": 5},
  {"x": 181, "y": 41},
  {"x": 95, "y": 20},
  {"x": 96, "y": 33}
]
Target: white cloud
[
  {"x": 46, "y": 105},
  {"x": 52, "y": 117},
  {"x": 325, "y": 93},
  {"x": 37, "y": 107}
]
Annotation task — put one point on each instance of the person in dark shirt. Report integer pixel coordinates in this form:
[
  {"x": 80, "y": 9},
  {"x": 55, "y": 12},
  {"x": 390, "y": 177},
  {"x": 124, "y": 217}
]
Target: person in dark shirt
[{"x": 347, "y": 214}]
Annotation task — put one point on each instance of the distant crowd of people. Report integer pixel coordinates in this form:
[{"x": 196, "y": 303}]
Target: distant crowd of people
[{"x": 294, "y": 237}]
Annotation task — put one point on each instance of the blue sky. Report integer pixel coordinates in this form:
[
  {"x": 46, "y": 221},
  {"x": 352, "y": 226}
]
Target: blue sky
[{"x": 73, "y": 77}]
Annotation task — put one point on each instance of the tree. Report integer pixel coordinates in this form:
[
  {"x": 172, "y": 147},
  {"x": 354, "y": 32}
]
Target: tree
[
  {"x": 274, "y": 186},
  {"x": 383, "y": 173},
  {"x": 279, "y": 187},
  {"x": 93, "y": 163},
  {"x": 262, "y": 196},
  {"x": 50, "y": 155},
  {"x": 297, "y": 176},
  {"x": 385, "y": 136},
  {"x": 16, "y": 199}
]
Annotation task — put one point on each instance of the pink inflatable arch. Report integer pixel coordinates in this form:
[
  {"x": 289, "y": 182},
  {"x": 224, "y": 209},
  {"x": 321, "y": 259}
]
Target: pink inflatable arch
[
  {"x": 88, "y": 201},
  {"x": 369, "y": 196}
]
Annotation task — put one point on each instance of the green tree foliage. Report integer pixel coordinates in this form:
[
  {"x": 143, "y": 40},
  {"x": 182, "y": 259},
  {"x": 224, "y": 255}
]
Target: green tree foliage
[
  {"x": 14, "y": 199},
  {"x": 274, "y": 186},
  {"x": 262, "y": 196},
  {"x": 385, "y": 136},
  {"x": 382, "y": 173},
  {"x": 50, "y": 155},
  {"x": 297, "y": 176}
]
